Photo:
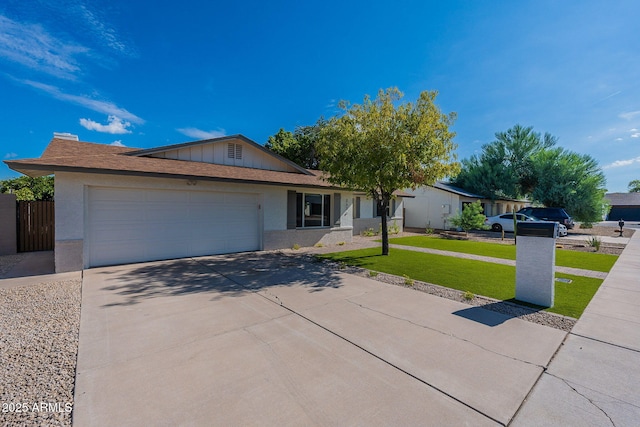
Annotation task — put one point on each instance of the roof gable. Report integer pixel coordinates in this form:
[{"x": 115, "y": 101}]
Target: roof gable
[
  {"x": 235, "y": 150},
  {"x": 75, "y": 156}
]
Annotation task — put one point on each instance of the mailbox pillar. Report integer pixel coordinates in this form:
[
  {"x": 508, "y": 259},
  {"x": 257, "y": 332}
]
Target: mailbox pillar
[{"x": 536, "y": 262}]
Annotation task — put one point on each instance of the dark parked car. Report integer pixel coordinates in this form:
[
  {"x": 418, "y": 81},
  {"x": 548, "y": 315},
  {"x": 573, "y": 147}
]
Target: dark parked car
[{"x": 549, "y": 214}]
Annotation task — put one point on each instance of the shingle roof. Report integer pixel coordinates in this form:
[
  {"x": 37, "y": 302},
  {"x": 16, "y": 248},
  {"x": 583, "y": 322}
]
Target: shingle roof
[
  {"x": 75, "y": 156},
  {"x": 456, "y": 190},
  {"x": 623, "y": 199}
]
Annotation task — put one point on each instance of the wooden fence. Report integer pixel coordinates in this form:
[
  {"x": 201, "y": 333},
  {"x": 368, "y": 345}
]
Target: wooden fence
[{"x": 36, "y": 226}]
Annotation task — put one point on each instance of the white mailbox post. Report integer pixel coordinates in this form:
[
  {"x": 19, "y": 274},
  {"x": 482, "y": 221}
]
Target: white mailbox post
[{"x": 536, "y": 262}]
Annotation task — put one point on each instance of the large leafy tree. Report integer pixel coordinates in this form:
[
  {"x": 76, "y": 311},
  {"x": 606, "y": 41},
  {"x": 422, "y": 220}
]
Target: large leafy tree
[
  {"x": 522, "y": 163},
  {"x": 28, "y": 188},
  {"x": 505, "y": 168},
  {"x": 381, "y": 146},
  {"x": 570, "y": 180},
  {"x": 298, "y": 146},
  {"x": 634, "y": 186}
]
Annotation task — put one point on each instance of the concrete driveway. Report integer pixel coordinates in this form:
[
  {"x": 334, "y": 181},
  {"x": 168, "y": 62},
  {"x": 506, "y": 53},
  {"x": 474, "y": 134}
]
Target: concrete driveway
[{"x": 268, "y": 339}]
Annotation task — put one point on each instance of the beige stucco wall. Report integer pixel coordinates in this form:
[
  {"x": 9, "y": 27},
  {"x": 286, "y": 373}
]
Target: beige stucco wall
[
  {"x": 8, "y": 238},
  {"x": 430, "y": 208},
  {"x": 367, "y": 219},
  {"x": 71, "y": 189}
]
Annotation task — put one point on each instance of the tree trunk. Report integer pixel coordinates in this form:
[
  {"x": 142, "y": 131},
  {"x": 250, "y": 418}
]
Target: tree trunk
[{"x": 385, "y": 232}]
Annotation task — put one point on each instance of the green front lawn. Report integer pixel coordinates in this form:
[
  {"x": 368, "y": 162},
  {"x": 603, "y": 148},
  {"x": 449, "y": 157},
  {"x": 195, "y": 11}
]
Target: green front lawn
[
  {"x": 565, "y": 258},
  {"x": 481, "y": 278}
]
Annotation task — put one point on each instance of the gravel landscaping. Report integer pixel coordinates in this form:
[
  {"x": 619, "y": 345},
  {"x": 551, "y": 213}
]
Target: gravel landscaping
[{"x": 38, "y": 349}]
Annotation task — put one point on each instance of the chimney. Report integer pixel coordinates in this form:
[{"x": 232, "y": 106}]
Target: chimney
[{"x": 65, "y": 135}]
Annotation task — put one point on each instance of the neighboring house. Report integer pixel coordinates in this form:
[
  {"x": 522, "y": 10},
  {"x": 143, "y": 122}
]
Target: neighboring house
[
  {"x": 367, "y": 214},
  {"x": 117, "y": 205},
  {"x": 624, "y": 206},
  {"x": 432, "y": 206}
]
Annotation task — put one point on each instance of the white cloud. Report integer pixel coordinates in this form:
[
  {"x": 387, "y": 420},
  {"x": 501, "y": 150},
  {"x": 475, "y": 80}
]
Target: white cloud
[
  {"x": 117, "y": 143},
  {"x": 104, "y": 107},
  {"x": 102, "y": 30},
  {"x": 629, "y": 115},
  {"x": 618, "y": 139},
  {"x": 633, "y": 130},
  {"x": 10, "y": 156},
  {"x": 202, "y": 134},
  {"x": 116, "y": 125},
  {"x": 621, "y": 163},
  {"x": 635, "y": 135},
  {"x": 32, "y": 46}
]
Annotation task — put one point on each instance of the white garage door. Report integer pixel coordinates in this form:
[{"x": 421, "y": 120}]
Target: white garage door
[{"x": 132, "y": 225}]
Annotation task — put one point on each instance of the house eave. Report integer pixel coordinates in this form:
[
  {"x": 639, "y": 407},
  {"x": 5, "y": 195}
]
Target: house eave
[{"x": 42, "y": 170}]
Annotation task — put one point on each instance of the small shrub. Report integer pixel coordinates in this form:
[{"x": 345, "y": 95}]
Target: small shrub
[
  {"x": 428, "y": 230},
  {"x": 341, "y": 243},
  {"x": 408, "y": 280},
  {"x": 369, "y": 232},
  {"x": 594, "y": 242},
  {"x": 468, "y": 295},
  {"x": 394, "y": 229},
  {"x": 471, "y": 217},
  {"x": 586, "y": 225},
  {"x": 319, "y": 245},
  {"x": 296, "y": 247},
  {"x": 373, "y": 273},
  {"x": 342, "y": 265}
]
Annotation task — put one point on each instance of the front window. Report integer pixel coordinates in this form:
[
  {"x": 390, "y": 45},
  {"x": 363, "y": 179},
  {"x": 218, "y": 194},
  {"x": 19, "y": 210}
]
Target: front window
[{"x": 312, "y": 210}]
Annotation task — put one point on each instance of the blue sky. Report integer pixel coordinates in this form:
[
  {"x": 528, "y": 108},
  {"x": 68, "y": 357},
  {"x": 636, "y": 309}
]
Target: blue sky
[{"x": 145, "y": 74}]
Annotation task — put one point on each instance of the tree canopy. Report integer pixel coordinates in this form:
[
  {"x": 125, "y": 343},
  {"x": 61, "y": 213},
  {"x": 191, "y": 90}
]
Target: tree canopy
[
  {"x": 381, "y": 146},
  {"x": 505, "y": 167},
  {"x": 634, "y": 186},
  {"x": 521, "y": 163},
  {"x": 27, "y": 188},
  {"x": 298, "y": 146}
]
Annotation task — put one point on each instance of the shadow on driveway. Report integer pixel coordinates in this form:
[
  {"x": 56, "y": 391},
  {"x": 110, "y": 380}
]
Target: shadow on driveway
[{"x": 221, "y": 276}]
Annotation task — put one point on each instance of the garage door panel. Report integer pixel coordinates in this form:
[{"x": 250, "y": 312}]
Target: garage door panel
[{"x": 130, "y": 225}]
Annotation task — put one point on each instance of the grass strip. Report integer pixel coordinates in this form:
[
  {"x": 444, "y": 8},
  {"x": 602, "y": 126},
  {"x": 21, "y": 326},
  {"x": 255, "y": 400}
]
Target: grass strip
[
  {"x": 481, "y": 278},
  {"x": 564, "y": 258}
]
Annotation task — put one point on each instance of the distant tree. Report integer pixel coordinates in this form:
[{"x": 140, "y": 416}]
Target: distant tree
[
  {"x": 471, "y": 218},
  {"x": 299, "y": 146},
  {"x": 521, "y": 163},
  {"x": 504, "y": 168},
  {"x": 40, "y": 188},
  {"x": 634, "y": 186},
  {"x": 24, "y": 194},
  {"x": 572, "y": 181},
  {"x": 381, "y": 146}
]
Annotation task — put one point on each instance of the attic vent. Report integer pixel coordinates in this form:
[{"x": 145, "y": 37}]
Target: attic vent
[{"x": 234, "y": 151}]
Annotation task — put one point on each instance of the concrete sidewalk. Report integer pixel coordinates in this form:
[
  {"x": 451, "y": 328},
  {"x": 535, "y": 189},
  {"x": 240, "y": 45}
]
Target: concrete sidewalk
[
  {"x": 266, "y": 339},
  {"x": 594, "y": 380}
]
